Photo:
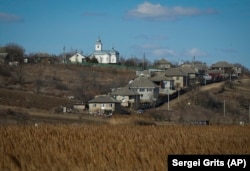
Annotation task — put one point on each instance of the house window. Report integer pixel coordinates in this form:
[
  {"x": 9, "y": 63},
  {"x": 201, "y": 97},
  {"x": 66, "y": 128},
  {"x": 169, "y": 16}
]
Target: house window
[
  {"x": 142, "y": 90},
  {"x": 177, "y": 78},
  {"x": 149, "y": 89},
  {"x": 94, "y": 105}
]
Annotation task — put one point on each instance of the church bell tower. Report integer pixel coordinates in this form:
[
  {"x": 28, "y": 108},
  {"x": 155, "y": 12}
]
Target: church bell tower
[{"x": 98, "y": 45}]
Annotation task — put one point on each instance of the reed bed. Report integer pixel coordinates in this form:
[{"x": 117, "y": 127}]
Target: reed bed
[{"x": 112, "y": 147}]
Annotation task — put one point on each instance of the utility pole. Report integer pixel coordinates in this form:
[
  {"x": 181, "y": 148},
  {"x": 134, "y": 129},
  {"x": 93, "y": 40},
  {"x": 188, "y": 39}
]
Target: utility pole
[
  {"x": 224, "y": 108},
  {"x": 178, "y": 94},
  {"x": 168, "y": 99},
  {"x": 249, "y": 113}
]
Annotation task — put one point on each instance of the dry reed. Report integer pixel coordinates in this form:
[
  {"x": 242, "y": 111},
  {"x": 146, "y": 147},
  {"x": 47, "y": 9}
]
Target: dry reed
[{"x": 113, "y": 147}]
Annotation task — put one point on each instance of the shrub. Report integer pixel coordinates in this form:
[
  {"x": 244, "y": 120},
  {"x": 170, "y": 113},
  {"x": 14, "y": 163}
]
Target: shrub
[
  {"x": 5, "y": 71},
  {"x": 209, "y": 100}
]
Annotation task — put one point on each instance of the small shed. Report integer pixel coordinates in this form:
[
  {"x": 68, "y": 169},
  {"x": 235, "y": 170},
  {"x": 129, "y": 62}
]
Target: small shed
[
  {"x": 80, "y": 107},
  {"x": 126, "y": 96}
]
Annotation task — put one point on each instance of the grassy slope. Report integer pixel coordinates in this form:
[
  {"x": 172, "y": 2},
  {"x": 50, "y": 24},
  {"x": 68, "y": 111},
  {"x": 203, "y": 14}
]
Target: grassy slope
[{"x": 58, "y": 81}]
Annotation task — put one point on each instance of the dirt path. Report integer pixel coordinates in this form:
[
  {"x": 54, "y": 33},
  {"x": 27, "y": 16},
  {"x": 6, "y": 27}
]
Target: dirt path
[
  {"x": 211, "y": 86},
  {"x": 38, "y": 116}
]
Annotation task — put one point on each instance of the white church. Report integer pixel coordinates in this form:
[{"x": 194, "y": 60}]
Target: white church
[{"x": 105, "y": 56}]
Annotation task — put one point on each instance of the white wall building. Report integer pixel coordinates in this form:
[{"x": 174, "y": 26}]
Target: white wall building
[
  {"x": 105, "y": 56},
  {"x": 77, "y": 58}
]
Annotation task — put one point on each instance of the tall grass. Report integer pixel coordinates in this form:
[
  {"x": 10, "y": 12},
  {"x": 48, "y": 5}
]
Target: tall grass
[{"x": 113, "y": 147}]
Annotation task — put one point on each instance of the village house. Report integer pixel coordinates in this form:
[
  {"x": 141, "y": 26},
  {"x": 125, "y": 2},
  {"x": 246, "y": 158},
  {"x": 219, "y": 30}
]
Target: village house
[
  {"x": 103, "y": 104},
  {"x": 214, "y": 76},
  {"x": 200, "y": 69},
  {"x": 127, "y": 97},
  {"x": 227, "y": 69},
  {"x": 180, "y": 79},
  {"x": 144, "y": 73},
  {"x": 163, "y": 64},
  {"x": 77, "y": 58},
  {"x": 149, "y": 91},
  {"x": 165, "y": 84},
  {"x": 190, "y": 73},
  {"x": 105, "y": 56},
  {"x": 223, "y": 66}
]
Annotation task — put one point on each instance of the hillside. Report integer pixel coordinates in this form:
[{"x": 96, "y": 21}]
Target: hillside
[
  {"x": 207, "y": 103},
  {"x": 82, "y": 82},
  {"x": 42, "y": 90}
]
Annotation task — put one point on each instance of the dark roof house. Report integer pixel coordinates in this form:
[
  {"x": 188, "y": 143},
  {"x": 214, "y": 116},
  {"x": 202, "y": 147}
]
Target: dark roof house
[
  {"x": 148, "y": 90},
  {"x": 102, "y": 104},
  {"x": 163, "y": 64}
]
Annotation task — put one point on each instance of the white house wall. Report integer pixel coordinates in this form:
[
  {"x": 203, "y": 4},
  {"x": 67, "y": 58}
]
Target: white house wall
[
  {"x": 114, "y": 59},
  {"x": 103, "y": 59},
  {"x": 97, "y": 107},
  {"x": 148, "y": 94},
  {"x": 77, "y": 58},
  {"x": 178, "y": 81}
]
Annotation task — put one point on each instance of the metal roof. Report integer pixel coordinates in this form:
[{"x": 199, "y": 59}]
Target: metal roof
[
  {"x": 124, "y": 91},
  {"x": 174, "y": 72},
  {"x": 160, "y": 77},
  {"x": 222, "y": 64},
  {"x": 187, "y": 70},
  {"x": 104, "y": 99},
  {"x": 143, "y": 82}
]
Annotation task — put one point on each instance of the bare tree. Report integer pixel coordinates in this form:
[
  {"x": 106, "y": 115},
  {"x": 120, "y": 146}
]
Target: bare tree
[{"x": 15, "y": 51}]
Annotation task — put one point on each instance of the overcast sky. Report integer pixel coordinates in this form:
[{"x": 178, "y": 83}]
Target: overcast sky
[{"x": 210, "y": 30}]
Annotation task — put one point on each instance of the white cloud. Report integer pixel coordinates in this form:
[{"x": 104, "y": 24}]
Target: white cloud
[
  {"x": 151, "y": 11},
  {"x": 6, "y": 17},
  {"x": 160, "y": 52},
  {"x": 195, "y": 52},
  {"x": 155, "y": 50}
]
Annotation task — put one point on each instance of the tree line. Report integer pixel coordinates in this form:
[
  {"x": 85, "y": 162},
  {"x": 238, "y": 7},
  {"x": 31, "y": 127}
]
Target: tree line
[{"x": 17, "y": 53}]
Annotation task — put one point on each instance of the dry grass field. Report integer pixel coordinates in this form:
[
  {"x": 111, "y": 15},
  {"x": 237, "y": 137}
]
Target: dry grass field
[{"x": 112, "y": 147}]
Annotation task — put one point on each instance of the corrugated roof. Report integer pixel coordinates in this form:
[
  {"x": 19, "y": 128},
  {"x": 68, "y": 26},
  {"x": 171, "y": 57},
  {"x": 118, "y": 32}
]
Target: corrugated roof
[
  {"x": 160, "y": 77},
  {"x": 104, "y": 99},
  {"x": 124, "y": 91},
  {"x": 142, "y": 82},
  {"x": 187, "y": 70},
  {"x": 77, "y": 55},
  {"x": 174, "y": 72},
  {"x": 222, "y": 64}
]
